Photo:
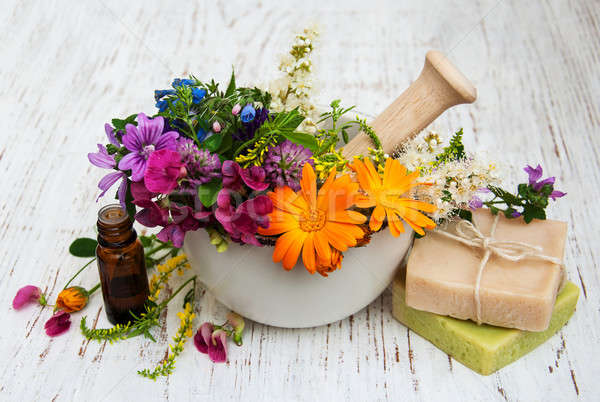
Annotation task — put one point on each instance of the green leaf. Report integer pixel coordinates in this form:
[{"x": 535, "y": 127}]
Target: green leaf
[
  {"x": 213, "y": 142},
  {"x": 207, "y": 193},
  {"x": 531, "y": 212},
  {"x": 465, "y": 214},
  {"x": 83, "y": 247},
  {"x": 306, "y": 140},
  {"x": 226, "y": 145},
  {"x": 345, "y": 136},
  {"x": 146, "y": 240},
  {"x": 231, "y": 87}
]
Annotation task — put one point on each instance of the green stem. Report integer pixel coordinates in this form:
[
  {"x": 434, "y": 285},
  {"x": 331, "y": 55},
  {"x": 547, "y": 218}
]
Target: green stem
[
  {"x": 178, "y": 290},
  {"x": 157, "y": 248},
  {"x": 78, "y": 272},
  {"x": 92, "y": 290}
]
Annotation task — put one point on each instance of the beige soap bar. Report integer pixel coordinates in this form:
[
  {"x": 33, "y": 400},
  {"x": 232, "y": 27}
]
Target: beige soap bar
[{"x": 441, "y": 275}]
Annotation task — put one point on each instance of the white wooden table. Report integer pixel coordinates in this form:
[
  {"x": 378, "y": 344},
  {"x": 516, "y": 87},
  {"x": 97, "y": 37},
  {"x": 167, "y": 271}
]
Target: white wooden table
[{"x": 67, "y": 67}]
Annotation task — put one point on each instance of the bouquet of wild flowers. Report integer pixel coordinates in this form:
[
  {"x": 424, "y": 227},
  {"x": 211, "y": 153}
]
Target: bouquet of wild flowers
[
  {"x": 227, "y": 162},
  {"x": 258, "y": 167}
]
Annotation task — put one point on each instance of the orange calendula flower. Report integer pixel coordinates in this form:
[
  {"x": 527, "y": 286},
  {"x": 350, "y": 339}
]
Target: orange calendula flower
[
  {"x": 314, "y": 221},
  {"x": 324, "y": 267},
  {"x": 385, "y": 194},
  {"x": 72, "y": 299}
]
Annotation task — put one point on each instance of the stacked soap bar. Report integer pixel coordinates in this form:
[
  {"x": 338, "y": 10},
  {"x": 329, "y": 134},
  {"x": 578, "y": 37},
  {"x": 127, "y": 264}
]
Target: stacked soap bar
[
  {"x": 483, "y": 348},
  {"x": 441, "y": 274}
]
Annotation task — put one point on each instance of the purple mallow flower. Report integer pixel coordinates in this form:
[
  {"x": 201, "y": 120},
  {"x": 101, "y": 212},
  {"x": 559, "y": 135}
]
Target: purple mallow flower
[
  {"x": 283, "y": 164},
  {"x": 110, "y": 133},
  {"x": 535, "y": 174},
  {"x": 201, "y": 165},
  {"x": 242, "y": 223},
  {"x": 104, "y": 160},
  {"x": 142, "y": 140}
]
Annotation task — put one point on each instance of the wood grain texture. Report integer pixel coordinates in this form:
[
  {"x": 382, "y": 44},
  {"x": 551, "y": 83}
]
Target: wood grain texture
[{"x": 69, "y": 66}]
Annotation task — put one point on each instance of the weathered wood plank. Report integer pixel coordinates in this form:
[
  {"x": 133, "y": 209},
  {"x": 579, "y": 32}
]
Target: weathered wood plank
[{"x": 69, "y": 66}]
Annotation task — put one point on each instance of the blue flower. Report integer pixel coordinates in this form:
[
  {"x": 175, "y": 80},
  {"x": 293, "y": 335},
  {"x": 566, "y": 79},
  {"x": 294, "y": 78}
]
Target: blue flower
[
  {"x": 177, "y": 82},
  {"x": 162, "y": 105},
  {"x": 161, "y": 93},
  {"x": 248, "y": 113},
  {"x": 201, "y": 134},
  {"x": 198, "y": 94}
]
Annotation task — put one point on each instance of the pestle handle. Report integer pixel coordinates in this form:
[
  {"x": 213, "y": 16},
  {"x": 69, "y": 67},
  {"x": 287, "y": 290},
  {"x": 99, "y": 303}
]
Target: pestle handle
[{"x": 439, "y": 87}]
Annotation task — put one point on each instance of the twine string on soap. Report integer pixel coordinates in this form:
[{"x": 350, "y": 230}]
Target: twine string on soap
[{"x": 470, "y": 235}]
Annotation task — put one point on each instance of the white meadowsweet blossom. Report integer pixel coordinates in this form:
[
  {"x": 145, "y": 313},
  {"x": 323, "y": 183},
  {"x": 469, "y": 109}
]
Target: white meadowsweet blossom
[
  {"x": 296, "y": 88},
  {"x": 450, "y": 185}
]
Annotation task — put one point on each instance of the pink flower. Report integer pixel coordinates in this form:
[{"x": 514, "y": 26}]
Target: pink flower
[
  {"x": 216, "y": 127},
  {"x": 242, "y": 223},
  {"x": 26, "y": 295},
  {"x": 236, "y": 109},
  {"x": 217, "y": 348},
  {"x": 211, "y": 341},
  {"x": 58, "y": 324},
  {"x": 202, "y": 337},
  {"x": 182, "y": 221},
  {"x": 163, "y": 169},
  {"x": 234, "y": 176}
]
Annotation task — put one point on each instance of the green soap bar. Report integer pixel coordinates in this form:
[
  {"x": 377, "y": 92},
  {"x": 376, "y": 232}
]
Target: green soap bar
[{"x": 483, "y": 348}]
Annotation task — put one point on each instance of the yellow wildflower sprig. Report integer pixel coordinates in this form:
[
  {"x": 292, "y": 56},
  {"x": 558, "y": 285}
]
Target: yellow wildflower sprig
[
  {"x": 167, "y": 365},
  {"x": 164, "y": 272},
  {"x": 326, "y": 162}
]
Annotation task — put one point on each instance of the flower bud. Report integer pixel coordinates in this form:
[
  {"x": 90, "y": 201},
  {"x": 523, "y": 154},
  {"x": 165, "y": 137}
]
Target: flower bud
[
  {"x": 216, "y": 127},
  {"x": 72, "y": 299},
  {"x": 237, "y": 323},
  {"x": 236, "y": 109}
]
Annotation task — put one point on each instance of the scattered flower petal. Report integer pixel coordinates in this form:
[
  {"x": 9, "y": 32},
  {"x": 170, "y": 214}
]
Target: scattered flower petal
[
  {"x": 26, "y": 295},
  {"x": 217, "y": 348},
  {"x": 58, "y": 324}
]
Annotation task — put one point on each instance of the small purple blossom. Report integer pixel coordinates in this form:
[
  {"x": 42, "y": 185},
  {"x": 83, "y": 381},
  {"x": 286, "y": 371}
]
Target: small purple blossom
[
  {"x": 58, "y": 324},
  {"x": 142, "y": 140},
  {"x": 515, "y": 214},
  {"x": 201, "y": 165},
  {"x": 535, "y": 174},
  {"x": 26, "y": 295},
  {"x": 475, "y": 203},
  {"x": 110, "y": 133},
  {"x": 283, "y": 164},
  {"x": 249, "y": 128},
  {"x": 104, "y": 160}
]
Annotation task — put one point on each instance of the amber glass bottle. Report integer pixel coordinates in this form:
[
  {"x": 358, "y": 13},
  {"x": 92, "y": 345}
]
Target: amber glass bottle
[{"x": 121, "y": 265}]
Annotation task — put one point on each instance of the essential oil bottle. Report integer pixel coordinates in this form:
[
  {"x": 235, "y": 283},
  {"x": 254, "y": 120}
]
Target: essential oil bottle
[{"x": 121, "y": 265}]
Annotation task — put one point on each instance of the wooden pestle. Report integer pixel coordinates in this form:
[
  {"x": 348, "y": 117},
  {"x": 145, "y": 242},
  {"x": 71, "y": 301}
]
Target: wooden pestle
[{"x": 439, "y": 87}]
